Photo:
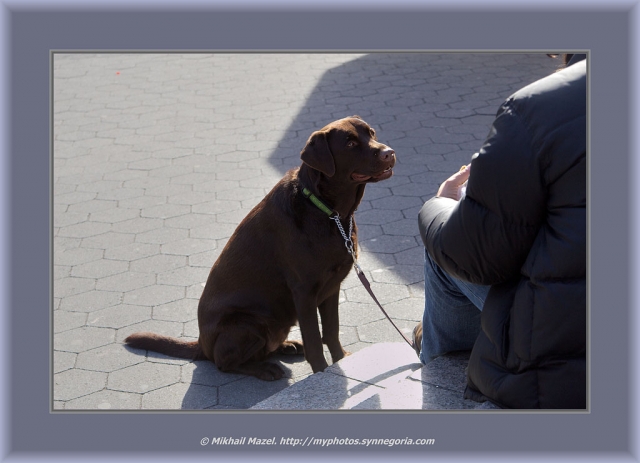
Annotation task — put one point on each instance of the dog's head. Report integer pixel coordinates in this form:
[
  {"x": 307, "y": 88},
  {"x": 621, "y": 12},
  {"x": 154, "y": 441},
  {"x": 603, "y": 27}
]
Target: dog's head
[{"x": 348, "y": 149}]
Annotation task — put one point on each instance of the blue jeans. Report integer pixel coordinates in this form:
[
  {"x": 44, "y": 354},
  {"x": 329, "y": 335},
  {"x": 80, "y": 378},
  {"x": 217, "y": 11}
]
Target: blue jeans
[{"x": 451, "y": 320}]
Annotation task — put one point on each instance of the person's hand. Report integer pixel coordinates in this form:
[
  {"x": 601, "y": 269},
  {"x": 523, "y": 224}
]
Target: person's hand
[{"x": 451, "y": 187}]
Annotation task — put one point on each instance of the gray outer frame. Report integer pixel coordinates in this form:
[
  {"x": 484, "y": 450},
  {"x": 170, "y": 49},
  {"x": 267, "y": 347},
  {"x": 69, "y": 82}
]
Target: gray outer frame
[{"x": 30, "y": 427}]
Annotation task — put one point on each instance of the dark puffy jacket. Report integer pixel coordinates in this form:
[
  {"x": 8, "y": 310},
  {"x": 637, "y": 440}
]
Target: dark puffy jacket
[{"x": 522, "y": 229}]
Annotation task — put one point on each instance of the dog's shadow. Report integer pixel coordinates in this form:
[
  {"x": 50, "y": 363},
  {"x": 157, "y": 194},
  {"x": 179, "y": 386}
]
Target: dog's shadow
[{"x": 210, "y": 388}]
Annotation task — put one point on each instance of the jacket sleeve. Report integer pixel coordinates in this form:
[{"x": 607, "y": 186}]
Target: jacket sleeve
[{"x": 486, "y": 237}]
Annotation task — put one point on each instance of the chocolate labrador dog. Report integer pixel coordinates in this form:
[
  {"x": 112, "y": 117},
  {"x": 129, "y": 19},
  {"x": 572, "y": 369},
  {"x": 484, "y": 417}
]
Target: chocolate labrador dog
[{"x": 286, "y": 260}]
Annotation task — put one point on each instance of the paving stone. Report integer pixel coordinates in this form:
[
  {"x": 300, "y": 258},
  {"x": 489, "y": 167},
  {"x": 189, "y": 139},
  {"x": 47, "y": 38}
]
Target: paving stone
[
  {"x": 132, "y": 251},
  {"x": 234, "y": 217},
  {"x": 83, "y": 230},
  {"x": 109, "y": 358},
  {"x": 76, "y": 383},
  {"x": 143, "y": 377},
  {"x": 155, "y": 357},
  {"x": 398, "y": 274},
  {"x": 385, "y": 293},
  {"x": 216, "y": 185},
  {"x": 154, "y": 295},
  {"x": 73, "y": 198},
  {"x": 168, "y": 191},
  {"x": 90, "y": 301},
  {"x": 165, "y": 211},
  {"x": 83, "y": 339},
  {"x": 114, "y": 215},
  {"x": 357, "y": 313},
  {"x": 366, "y": 232},
  {"x": 389, "y": 244},
  {"x": 240, "y": 194},
  {"x": 187, "y": 246},
  {"x": 158, "y": 263},
  {"x": 144, "y": 182},
  {"x": 372, "y": 260},
  {"x": 70, "y": 286},
  {"x": 216, "y": 206},
  {"x": 191, "y": 179},
  {"x": 190, "y": 221},
  {"x": 405, "y": 227},
  {"x": 141, "y": 202},
  {"x": 106, "y": 400},
  {"x": 138, "y": 225},
  {"x": 108, "y": 240},
  {"x": 65, "y": 321},
  {"x": 212, "y": 231},
  {"x": 181, "y": 396},
  {"x": 205, "y": 373},
  {"x": 149, "y": 164},
  {"x": 418, "y": 190},
  {"x": 99, "y": 269},
  {"x": 63, "y": 361},
  {"x": 162, "y": 235},
  {"x": 296, "y": 367},
  {"x": 101, "y": 186},
  {"x": 62, "y": 218},
  {"x": 248, "y": 391},
  {"x": 191, "y": 329},
  {"x": 320, "y": 391},
  {"x": 378, "y": 217},
  {"x": 383, "y": 331},
  {"x": 61, "y": 271},
  {"x": 239, "y": 174},
  {"x": 126, "y": 281},
  {"x": 182, "y": 310},
  {"x": 410, "y": 309},
  {"x": 61, "y": 243},
  {"x": 396, "y": 202},
  {"x": 119, "y": 316},
  {"x": 90, "y": 207}
]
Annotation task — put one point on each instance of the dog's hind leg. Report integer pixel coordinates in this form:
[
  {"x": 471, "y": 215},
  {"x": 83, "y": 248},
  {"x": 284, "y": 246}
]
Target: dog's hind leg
[
  {"x": 291, "y": 347},
  {"x": 241, "y": 350}
]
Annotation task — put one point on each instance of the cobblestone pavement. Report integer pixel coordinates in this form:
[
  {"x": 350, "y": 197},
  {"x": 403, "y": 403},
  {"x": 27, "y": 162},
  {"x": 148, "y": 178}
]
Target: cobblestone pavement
[{"x": 157, "y": 157}]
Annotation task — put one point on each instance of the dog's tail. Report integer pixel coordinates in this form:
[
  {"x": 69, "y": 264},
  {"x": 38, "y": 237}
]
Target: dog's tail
[{"x": 166, "y": 345}]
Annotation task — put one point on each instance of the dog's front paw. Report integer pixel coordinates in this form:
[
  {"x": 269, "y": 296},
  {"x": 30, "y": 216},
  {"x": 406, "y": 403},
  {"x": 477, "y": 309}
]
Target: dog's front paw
[
  {"x": 340, "y": 356},
  {"x": 317, "y": 367}
]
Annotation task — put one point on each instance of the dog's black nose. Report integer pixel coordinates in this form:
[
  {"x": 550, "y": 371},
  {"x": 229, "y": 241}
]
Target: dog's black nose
[{"x": 387, "y": 154}]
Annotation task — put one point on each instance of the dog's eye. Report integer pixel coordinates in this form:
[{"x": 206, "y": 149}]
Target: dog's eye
[
  {"x": 372, "y": 132},
  {"x": 352, "y": 143}
]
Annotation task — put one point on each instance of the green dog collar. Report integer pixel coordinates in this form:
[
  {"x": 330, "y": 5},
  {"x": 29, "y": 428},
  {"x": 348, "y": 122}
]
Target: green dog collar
[{"x": 319, "y": 204}]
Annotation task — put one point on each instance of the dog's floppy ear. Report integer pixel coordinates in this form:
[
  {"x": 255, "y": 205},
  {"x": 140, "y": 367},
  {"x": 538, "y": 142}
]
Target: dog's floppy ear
[{"x": 317, "y": 155}]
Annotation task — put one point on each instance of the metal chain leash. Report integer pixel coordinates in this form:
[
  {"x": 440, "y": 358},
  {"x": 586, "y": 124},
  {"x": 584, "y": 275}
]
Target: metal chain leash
[{"x": 348, "y": 242}]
